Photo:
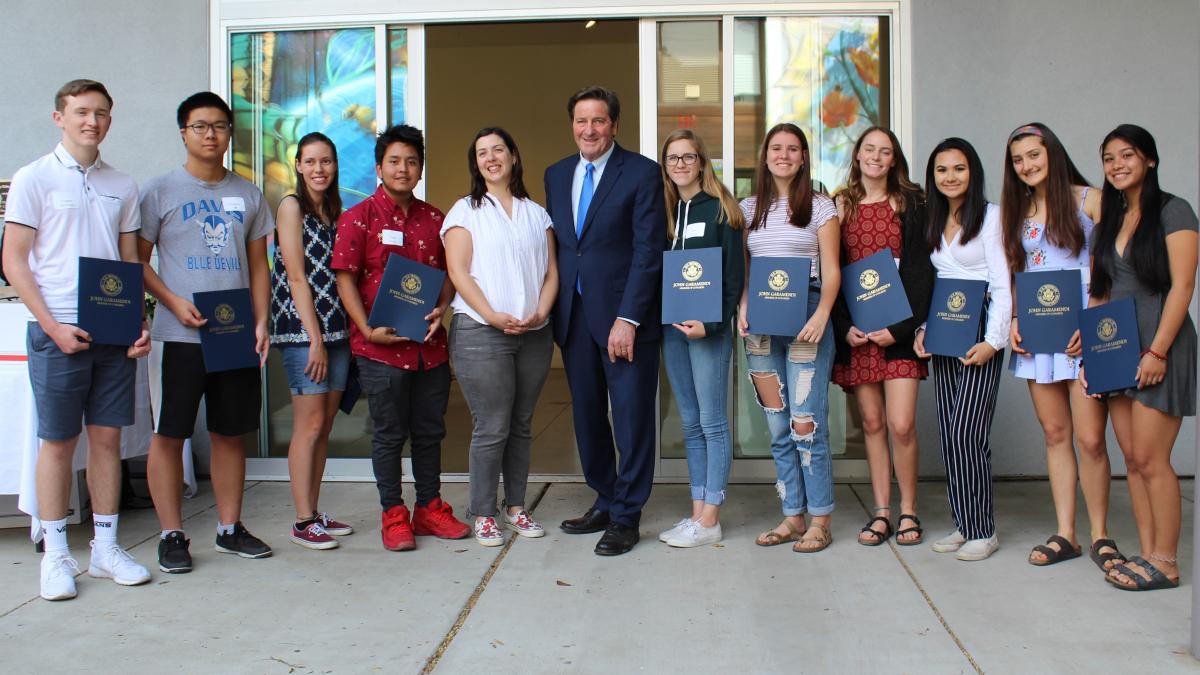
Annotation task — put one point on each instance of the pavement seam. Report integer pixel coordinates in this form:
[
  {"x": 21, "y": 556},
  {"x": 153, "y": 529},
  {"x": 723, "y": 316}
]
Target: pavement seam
[
  {"x": 925, "y": 594},
  {"x": 152, "y": 536},
  {"x": 432, "y": 663}
]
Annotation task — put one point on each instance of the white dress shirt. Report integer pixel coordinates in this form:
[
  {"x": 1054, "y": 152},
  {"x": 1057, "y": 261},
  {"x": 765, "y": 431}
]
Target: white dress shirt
[{"x": 981, "y": 259}]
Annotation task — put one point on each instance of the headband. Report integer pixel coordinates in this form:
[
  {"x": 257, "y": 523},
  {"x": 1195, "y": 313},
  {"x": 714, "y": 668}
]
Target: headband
[{"x": 1027, "y": 130}]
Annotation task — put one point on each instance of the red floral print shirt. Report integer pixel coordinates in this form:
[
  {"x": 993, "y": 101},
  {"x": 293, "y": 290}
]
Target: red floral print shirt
[{"x": 359, "y": 248}]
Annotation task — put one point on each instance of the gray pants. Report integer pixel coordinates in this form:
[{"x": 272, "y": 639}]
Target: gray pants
[{"x": 501, "y": 377}]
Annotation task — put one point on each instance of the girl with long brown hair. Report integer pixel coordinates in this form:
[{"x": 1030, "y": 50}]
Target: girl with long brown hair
[
  {"x": 1048, "y": 213},
  {"x": 701, "y": 213},
  {"x": 881, "y": 208},
  {"x": 791, "y": 375}
]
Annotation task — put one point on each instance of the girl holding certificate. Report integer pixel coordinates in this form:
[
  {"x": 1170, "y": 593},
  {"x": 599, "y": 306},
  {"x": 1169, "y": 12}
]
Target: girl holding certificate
[
  {"x": 309, "y": 329},
  {"x": 1145, "y": 248},
  {"x": 791, "y": 375},
  {"x": 881, "y": 208},
  {"x": 701, "y": 213},
  {"x": 963, "y": 241},
  {"x": 1048, "y": 212}
]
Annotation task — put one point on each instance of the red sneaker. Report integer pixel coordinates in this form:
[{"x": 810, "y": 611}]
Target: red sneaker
[
  {"x": 437, "y": 519},
  {"x": 334, "y": 527},
  {"x": 397, "y": 533}
]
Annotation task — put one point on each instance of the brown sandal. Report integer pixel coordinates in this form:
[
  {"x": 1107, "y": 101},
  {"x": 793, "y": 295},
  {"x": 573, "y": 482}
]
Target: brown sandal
[
  {"x": 823, "y": 537},
  {"x": 773, "y": 538}
]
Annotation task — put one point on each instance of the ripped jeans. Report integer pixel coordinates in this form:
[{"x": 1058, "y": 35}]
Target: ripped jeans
[{"x": 803, "y": 464}]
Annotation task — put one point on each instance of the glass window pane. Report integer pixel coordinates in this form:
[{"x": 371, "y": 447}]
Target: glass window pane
[
  {"x": 286, "y": 84},
  {"x": 689, "y": 82},
  {"x": 829, "y": 75},
  {"x": 397, "y": 74}
]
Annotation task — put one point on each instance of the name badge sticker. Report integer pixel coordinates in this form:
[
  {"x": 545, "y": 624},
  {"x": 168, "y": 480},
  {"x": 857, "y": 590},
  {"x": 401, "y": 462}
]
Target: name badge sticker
[
  {"x": 64, "y": 200},
  {"x": 231, "y": 204},
  {"x": 693, "y": 230},
  {"x": 393, "y": 238}
]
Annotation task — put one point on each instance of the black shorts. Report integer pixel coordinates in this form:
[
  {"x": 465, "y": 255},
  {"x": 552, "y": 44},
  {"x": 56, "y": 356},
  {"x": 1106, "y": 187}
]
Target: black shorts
[{"x": 232, "y": 398}]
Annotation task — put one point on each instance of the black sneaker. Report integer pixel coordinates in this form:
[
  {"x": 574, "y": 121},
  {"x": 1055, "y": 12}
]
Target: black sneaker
[
  {"x": 173, "y": 556},
  {"x": 242, "y": 543}
]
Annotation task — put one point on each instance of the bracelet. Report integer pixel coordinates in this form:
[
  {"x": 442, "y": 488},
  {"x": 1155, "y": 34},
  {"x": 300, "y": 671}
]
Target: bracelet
[{"x": 1155, "y": 354}]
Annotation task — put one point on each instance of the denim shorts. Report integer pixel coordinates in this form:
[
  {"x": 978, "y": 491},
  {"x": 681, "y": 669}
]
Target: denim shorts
[
  {"x": 295, "y": 358},
  {"x": 93, "y": 386}
]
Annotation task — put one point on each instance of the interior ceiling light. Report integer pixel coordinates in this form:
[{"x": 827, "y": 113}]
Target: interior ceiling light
[{"x": 590, "y": 23}]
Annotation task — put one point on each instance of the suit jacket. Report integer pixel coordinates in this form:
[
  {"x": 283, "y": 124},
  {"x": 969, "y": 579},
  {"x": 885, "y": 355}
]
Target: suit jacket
[{"x": 618, "y": 257}]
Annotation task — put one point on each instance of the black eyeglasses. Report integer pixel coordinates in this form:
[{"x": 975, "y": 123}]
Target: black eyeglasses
[
  {"x": 201, "y": 128},
  {"x": 687, "y": 159}
]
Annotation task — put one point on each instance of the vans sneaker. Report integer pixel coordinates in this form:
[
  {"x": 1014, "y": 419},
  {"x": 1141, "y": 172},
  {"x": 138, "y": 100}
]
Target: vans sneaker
[
  {"x": 113, "y": 562},
  {"x": 58, "y": 576},
  {"x": 313, "y": 536},
  {"x": 487, "y": 533},
  {"x": 673, "y": 530},
  {"x": 978, "y": 549},
  {"x": 173, "y": 555},
  {"x": 524, "y": 524},
  {"x": 949, "y": 543},
  {"x": 242, "y": 543},
  {"x": 694, "y": 534},
  {"x": 334, "y": 527}
]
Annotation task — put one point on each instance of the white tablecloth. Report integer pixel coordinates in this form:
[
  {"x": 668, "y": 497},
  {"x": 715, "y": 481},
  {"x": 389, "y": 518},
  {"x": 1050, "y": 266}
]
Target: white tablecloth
[{"x": 18, "y": 424}]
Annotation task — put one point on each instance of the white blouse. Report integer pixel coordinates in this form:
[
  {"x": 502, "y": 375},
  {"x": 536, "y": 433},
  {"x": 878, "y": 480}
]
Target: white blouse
[
  {"x": 982, "y": 259},
  {"x": 509, "y": 256}
]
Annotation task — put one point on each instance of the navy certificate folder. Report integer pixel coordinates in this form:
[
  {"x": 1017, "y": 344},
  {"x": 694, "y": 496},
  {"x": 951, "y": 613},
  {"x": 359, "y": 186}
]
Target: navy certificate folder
[
  {"x": 227, "y": 340},
  {"x": 691, "y": 285},
  {"x": 873, "y": 292},
  {"x": 407, "y": 294},
  {"x": 1048, "y": 305},
  {"x": 954, "y": 316},
  {"x": 111, "y": 300},
  {"x": 1111, "y": 347},
  {"x": 777, "y": 297}
]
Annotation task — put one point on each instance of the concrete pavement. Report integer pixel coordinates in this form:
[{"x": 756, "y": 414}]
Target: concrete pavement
[{"x": 550, "y": 605}]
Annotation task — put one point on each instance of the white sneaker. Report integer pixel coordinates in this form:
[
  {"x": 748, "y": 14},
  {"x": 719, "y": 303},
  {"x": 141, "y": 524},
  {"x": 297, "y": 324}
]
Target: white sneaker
[
  {"x": 674, "y": 530},
  {"x": 487, "y": 533},
  {"x": 58, "y": 576},
  {"x": 978, "y": 549},
  {"x": 949, "y": 543},
  {"x": 113, "y": 562},
  {"x": 524, "y": 524},
  {"x": 694, "y": 534}
]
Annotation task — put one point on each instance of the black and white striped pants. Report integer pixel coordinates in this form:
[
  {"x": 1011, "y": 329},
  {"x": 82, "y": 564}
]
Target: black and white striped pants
[{"x": 966, "y": 402}]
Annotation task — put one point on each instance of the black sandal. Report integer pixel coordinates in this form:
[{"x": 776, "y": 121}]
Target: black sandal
[
  {"x": 1156, "y": 581},
  {"x": 880, "y": 537},
  {"x": 907, "y": 530},
  {"x": 1065, "y": 552},
  {"x": 1103, "y": 558}
]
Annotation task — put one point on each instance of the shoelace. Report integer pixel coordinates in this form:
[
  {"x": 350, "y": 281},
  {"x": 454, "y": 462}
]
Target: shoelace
[
  {"x": 66, "y": 565},
  {"x": 118, "y": 555},
  {"x": 316, "y": 529},
  {"x": 323, "y": 518}
]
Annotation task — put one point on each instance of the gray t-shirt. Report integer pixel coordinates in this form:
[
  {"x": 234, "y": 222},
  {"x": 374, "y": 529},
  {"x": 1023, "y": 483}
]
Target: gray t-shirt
[{"x": 200, "y": 230}]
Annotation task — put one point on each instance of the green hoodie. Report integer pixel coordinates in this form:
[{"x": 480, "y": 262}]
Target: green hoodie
[{"x": 706, "y": 209}]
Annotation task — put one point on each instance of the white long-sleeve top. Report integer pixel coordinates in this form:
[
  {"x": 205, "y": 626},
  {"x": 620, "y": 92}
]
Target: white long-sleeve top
[{"x": 982, "y": 259}]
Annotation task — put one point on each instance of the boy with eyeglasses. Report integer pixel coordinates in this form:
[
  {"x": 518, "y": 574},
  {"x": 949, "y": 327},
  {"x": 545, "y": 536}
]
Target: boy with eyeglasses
[
  {"x": 210, "y": 227},
  {"x": 65, "y": 205}
]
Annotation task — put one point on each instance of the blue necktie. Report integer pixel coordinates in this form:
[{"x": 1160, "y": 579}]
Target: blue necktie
[{"x": 585, "y": 200}]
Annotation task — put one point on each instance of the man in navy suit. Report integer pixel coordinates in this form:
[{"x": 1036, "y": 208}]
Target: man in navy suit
[{"x": 607, "y": 207}]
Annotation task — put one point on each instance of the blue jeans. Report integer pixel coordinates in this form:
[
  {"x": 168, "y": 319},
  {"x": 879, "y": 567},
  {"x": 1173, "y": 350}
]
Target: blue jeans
[
  {"x": 699, "y": 374},
  {"x": 803, "y": 464}
]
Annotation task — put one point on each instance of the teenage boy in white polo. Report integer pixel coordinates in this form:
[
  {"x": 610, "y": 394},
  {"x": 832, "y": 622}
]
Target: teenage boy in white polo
[
  {"x": 65, "y": 205},
  {"x": 210, "y": 226}
]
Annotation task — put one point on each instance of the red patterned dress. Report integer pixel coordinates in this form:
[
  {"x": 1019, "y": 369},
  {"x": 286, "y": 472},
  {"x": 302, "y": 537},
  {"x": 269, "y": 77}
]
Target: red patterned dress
[{"x": 873, "y": 227}]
